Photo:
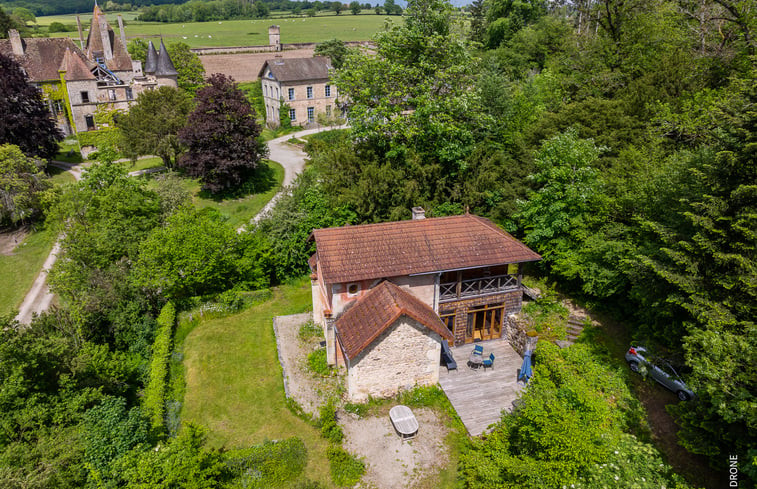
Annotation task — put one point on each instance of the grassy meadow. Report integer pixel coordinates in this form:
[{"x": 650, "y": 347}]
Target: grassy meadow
[
  {"x": 346, "y": 27},
  {"x": 234, "y": 383}
]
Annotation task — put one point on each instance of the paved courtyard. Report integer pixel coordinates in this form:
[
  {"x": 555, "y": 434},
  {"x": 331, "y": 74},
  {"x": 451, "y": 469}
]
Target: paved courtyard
[{"x": 479, "y": 396}]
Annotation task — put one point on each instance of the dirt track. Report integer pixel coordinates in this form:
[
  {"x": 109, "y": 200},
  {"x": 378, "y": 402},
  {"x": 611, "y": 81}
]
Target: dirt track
[{"x": 244, "y": 67}]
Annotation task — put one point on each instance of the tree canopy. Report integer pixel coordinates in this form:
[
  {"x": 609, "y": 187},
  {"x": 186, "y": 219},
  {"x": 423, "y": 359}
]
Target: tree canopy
[
  {"x": 26, "y": 120},
  {"x": 221, "y": 136},
  {"x": 152, "y": 125}
]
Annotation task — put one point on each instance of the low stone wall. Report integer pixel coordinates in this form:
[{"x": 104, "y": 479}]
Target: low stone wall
[
  {"x": 516, "y": 327},
  {"x": 271, "y": 48}
]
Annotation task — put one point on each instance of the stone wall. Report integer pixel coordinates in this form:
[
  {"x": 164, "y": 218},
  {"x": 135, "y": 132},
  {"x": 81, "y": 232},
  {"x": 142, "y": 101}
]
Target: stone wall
[
  {"x": 515, "y": 330},
  {"x": 405, "y": 355}
]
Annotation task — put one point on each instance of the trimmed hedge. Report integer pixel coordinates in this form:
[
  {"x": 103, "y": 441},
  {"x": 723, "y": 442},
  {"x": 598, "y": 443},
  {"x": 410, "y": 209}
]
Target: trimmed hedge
[{"x": 155, "y": 392}]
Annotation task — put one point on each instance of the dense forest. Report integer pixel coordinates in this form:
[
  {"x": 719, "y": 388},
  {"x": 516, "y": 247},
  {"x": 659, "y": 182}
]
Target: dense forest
[{"x": 615, "y": 138}]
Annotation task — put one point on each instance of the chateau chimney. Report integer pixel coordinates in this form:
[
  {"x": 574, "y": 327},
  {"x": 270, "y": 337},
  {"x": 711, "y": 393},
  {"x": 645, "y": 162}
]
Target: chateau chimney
[
  {"x": 107, "y": 48},
  {"x": 81, "y": 35},
  {"x": 121, "y": 30},
  {"x": 418, "y": 213},
  {"x": 17, "y": 45}
]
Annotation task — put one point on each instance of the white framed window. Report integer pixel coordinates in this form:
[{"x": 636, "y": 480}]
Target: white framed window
[
  {"x": 310, "y": 92},
  {"x": 291, "y": 94},
  {"x": 353, "y": 289},
  {"x": 328, "y": 90},
  {"x": 311, "y": 114},
  {"x": 111, "y": 94},
  {"x": 85, "y": 97},
  {"x": 129, "y": 94},
  {"x": 292, "y": 115},
  {"x": 328, "y": 110}
]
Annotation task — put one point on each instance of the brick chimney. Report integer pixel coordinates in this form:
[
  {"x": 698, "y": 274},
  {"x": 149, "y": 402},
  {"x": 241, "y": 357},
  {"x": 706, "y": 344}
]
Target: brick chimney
[
  {"x": 418, "y": 213},
  {"x": 17, "y": 45}
]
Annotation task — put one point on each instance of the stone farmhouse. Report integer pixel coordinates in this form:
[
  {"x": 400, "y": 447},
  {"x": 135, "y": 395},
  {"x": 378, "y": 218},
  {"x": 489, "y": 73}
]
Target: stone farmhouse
[
  {"x": 387, "y": 294},
  {"x": 302, "y": 84},
  {"x": 77, "y": 80}
]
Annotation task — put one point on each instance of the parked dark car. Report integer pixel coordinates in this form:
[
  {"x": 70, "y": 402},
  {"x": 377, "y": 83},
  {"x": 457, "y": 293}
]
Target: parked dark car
[{"x": 639, "y": 359}]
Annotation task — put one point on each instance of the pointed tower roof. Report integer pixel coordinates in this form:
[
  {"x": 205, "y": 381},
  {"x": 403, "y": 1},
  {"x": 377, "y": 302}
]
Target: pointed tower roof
[
  {"x": 75, "y": 67},
  {"x": 151, "y": 62},
  {"x": 119, "y": 57},
  {"x": 165, "y": 66}
]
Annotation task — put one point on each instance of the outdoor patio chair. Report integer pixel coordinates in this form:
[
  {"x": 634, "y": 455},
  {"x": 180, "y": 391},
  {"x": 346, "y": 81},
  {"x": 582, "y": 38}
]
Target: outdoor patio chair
[
  {"x": 478, "y": 350},
  {"x": 489, "y": 362},
  {"x": 449, "y": 360}
]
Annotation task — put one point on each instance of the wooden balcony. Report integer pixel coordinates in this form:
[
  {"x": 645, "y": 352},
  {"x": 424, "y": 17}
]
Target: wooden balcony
[{"x": 477, "y": 287}]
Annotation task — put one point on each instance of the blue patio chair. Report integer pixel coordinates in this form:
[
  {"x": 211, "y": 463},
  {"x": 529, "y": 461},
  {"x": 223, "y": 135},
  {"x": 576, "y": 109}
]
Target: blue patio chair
[
  {"x": 489, "y": 362},
  {"x": 478, "y": 350}
]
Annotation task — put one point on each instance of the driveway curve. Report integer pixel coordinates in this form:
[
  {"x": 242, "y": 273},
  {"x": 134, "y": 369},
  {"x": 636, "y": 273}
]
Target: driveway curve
[{"x": 292, "y": 159}]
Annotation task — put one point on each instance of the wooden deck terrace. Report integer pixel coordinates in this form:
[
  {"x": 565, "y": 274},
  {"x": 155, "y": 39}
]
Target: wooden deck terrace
[{"x": 479, "y": 396}]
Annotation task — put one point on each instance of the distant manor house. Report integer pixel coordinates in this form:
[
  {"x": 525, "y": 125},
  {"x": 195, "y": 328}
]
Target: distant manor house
[
  {"x": 302, "y": 84},
  {"x": 76, "y": 80}
]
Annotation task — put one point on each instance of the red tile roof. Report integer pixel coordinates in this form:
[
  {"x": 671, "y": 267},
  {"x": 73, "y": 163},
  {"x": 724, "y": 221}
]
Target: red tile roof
[
  {"x": 352, "y": 253},
  {"x": 298, "y": 69},
  {"x": 75, "y": 67},
  {"x": 361, "y": 324},
  {"x": 43, "y": 56}
]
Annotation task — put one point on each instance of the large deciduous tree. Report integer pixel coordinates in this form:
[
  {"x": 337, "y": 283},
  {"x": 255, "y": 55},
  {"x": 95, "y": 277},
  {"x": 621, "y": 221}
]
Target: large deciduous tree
[
  {"x": 152, "y": 124},
  {"x": 25, "y": 120},
  {"x": 221, "y": 137},
  {"x": 21, "y": 182}
]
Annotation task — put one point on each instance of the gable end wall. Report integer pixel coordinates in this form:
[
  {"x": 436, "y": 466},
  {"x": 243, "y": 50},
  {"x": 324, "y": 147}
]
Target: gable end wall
[{"x": 405, "y": 355}]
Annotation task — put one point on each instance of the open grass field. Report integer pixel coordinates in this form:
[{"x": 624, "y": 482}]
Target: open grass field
[
  {"x": 18, "y": 270},
  {"x": 248, "y": 32},
  {"x": 241, "y": 210},
  {"x": 234, "y": 383}
]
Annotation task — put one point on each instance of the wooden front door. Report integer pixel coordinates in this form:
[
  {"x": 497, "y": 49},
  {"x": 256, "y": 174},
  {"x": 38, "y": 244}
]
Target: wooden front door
[{"x": 485, "y": 323}]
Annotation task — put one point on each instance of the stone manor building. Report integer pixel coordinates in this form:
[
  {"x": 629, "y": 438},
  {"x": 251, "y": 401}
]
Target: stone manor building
[
  {"x": 77, "y": 80},
  {"x": 302, "y": 84}
]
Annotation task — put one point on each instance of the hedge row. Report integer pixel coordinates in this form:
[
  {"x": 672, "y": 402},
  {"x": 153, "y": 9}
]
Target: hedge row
[
  {"x": 270, "y": 464},
  {"x": 155, "y": 392}
]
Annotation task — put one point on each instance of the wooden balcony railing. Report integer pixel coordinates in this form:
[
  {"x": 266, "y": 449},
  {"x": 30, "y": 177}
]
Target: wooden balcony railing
[{"x": 477, "y": 287}]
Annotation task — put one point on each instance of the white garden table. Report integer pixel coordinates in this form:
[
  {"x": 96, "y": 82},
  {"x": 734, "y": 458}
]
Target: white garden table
[{"x": 404, "y": 422}]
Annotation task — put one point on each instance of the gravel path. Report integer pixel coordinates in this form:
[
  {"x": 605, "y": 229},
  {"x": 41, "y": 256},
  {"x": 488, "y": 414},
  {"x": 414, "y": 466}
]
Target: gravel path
[{"x": 292, "y": 159}]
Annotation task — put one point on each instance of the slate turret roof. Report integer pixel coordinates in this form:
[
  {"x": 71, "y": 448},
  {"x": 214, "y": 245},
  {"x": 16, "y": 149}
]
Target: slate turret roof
[
  {"x": 151, "y": 61},
  {"x": 164, "y": 66}
]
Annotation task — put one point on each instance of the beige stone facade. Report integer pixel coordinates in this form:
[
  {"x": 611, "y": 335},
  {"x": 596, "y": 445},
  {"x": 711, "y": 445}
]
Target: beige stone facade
[
  {"x": 77, "y": 80},
  {"x": 304, "y": 92},
  {"x": 405, "y": 355}
]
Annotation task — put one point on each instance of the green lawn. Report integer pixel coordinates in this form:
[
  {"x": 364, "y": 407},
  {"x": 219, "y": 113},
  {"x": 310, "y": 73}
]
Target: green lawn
[
  {"x": 241, "y": 210},
  {"x": 144, "y": 164},
  {"x": 234, "y": 383},
  {"x": 59, "y": 176},
  {"x": 18, "y": 271},
  {"x": 251, "y": 32}
]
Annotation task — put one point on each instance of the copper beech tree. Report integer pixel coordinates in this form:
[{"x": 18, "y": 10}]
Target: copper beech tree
[{"x": 221, "y": 137}]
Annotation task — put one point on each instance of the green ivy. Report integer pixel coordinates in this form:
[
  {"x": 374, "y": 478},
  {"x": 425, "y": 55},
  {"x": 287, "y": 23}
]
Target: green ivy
[{"x": 155, "y": 392}]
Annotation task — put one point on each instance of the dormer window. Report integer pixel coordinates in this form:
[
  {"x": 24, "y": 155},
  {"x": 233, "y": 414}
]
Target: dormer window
[{"x": 353, "y": 289}]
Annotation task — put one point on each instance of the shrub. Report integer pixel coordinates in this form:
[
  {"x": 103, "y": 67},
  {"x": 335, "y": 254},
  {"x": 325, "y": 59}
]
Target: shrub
[
  {"x": 155, "y": 392},
  {"x": 310, "y": 330},
  {"x": 317, "y": 362},
  {"x": 269, "y": 464},
  {"x": 345, "y": 469},
  {"x": 329, "y": 427},
  {"x": 58, "y": 27}
]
